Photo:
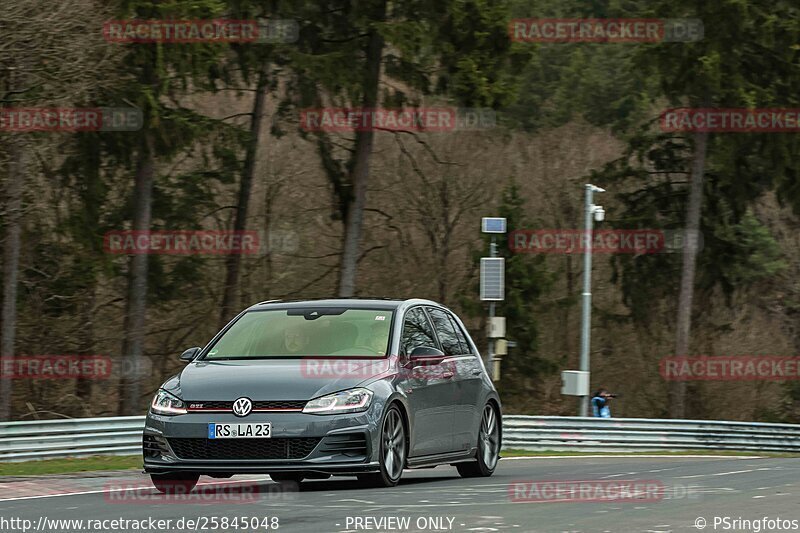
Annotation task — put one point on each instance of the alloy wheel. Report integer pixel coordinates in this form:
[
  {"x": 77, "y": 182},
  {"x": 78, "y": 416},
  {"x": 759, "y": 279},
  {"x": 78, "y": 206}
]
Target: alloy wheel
[
  {"x": 394, "y": 444},
  {"x": 489, "y": 438}
]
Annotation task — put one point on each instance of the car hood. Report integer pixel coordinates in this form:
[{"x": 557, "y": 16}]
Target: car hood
[{"x": 283, "y": 379}]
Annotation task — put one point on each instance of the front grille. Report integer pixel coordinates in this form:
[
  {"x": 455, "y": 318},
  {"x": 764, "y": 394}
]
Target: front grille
[
  {"x": 286, "y": 404},
  {"x": 278, "y": 448},
  {"x": 259, "y": 404},
  {"x": 350, "y": 444}
]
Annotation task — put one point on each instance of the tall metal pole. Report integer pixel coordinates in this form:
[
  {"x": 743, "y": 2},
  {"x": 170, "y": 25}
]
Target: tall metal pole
[
  {"x": 586, "y": 296},
  {"x": 492, "y": 253}
]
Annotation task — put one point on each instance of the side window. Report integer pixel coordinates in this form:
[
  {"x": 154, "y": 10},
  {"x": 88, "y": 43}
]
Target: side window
[
  {"x": 447, "y": 334},
  {"x": 417, "y": 331},
  {"x": 462, "y": 339}
]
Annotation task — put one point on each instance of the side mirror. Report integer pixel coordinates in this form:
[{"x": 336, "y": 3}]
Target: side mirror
[
  {"x": 189, "y": 355},
  {"x": 421, "y": 353}
]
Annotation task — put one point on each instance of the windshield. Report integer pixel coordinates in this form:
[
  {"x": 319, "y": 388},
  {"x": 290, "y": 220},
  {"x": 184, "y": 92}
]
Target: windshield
[{"x": 303, "y": 332}]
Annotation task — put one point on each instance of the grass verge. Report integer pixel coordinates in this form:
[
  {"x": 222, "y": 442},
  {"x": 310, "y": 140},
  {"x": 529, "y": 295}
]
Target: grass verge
[{"x": 64, "y": 466}]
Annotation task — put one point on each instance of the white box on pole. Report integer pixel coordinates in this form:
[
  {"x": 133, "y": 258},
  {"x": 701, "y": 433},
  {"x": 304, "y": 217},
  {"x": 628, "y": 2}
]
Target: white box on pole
[
  {"x": 575, "y": 383},
  {"x": 496, "y": 327}
]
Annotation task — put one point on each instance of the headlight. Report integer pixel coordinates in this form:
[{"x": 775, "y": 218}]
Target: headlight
[
  {"x": 165, "y": 403},
  {"x": 349, "y": 401}
]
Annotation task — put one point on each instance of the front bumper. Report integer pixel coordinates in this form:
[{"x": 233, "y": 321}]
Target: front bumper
[{"x": 332, "y": 444}]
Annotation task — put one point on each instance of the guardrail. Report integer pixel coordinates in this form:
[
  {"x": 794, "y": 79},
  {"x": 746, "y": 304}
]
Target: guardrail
[
  {"x": 74, "y": 437},
  {"x": 560, "y": 433},
  {"x": 77, "y": 437}
]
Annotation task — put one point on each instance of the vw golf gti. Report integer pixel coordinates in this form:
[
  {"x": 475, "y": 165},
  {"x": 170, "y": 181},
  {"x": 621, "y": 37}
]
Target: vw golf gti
[{"x": 310, "y": 389}]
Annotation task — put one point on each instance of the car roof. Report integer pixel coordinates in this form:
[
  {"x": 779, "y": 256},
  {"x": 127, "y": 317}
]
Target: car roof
[{"x": 374, "y": 303}]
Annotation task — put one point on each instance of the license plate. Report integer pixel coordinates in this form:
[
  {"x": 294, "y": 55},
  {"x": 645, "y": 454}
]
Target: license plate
[{"x": 240, "y": 431}]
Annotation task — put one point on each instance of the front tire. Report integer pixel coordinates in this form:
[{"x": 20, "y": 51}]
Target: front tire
[
  {"x": 181, "y": 483},
  {"x": 488, "y": 446},
  {"x": 393, "y": 451}
]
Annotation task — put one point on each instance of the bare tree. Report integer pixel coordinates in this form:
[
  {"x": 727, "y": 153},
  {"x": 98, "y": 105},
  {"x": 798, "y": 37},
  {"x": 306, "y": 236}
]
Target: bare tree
[
  {"x": 136, "y": 303},
  {"x": 354, "y": 217},
  {"x": 441, "y": 194},
  {"x": 11, "y": 253},
  {"x": 233, "y": 264},
  {"x": 46, "y": 57},
  {"x": 677, "y": 390}
]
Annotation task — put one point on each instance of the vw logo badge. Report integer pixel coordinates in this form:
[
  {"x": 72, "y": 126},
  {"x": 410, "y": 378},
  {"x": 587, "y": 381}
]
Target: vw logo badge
[{"x": 242, "y": 407}]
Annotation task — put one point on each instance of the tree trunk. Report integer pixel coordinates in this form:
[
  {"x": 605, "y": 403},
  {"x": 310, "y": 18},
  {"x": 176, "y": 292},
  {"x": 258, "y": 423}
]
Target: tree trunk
[
  {"x": 11, "y": 252},
  {"x": 233, "y": 264},
  {"x": 269, "y": 199},
  {"x": 354, "y": 221},
  {"x": 83, "y": 385},
  {"x": 136, "y": 305},
  {"x": 447, "y": 232},
  {"x": 677, "y": 389}
]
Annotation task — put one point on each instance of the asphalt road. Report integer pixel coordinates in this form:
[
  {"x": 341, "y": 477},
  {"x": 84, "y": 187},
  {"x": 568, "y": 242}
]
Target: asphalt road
[{"x": 658, "y": 494}]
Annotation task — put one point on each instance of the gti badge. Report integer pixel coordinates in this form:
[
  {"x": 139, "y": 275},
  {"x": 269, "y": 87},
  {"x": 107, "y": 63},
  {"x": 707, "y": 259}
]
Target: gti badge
[{"x": 242, "y": 407}]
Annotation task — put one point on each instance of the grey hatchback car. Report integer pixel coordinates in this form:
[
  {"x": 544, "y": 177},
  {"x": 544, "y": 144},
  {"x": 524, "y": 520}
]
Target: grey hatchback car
[{"x": 309, "y": 389}]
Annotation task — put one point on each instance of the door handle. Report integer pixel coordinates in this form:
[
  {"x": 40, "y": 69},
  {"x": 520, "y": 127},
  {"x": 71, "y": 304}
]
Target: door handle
[
  {"x": 447, "y": 375},
  {"x": 476, "y": 372}
]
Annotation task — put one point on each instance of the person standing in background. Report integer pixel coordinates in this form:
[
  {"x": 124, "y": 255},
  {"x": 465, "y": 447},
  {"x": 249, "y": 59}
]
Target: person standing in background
[{"x": 600, "y": 401}]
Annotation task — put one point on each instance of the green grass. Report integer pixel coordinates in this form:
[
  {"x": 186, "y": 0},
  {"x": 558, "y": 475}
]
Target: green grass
[
  {"x": 529, "y": 453},
  {"x": 63, "y": 466}
]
